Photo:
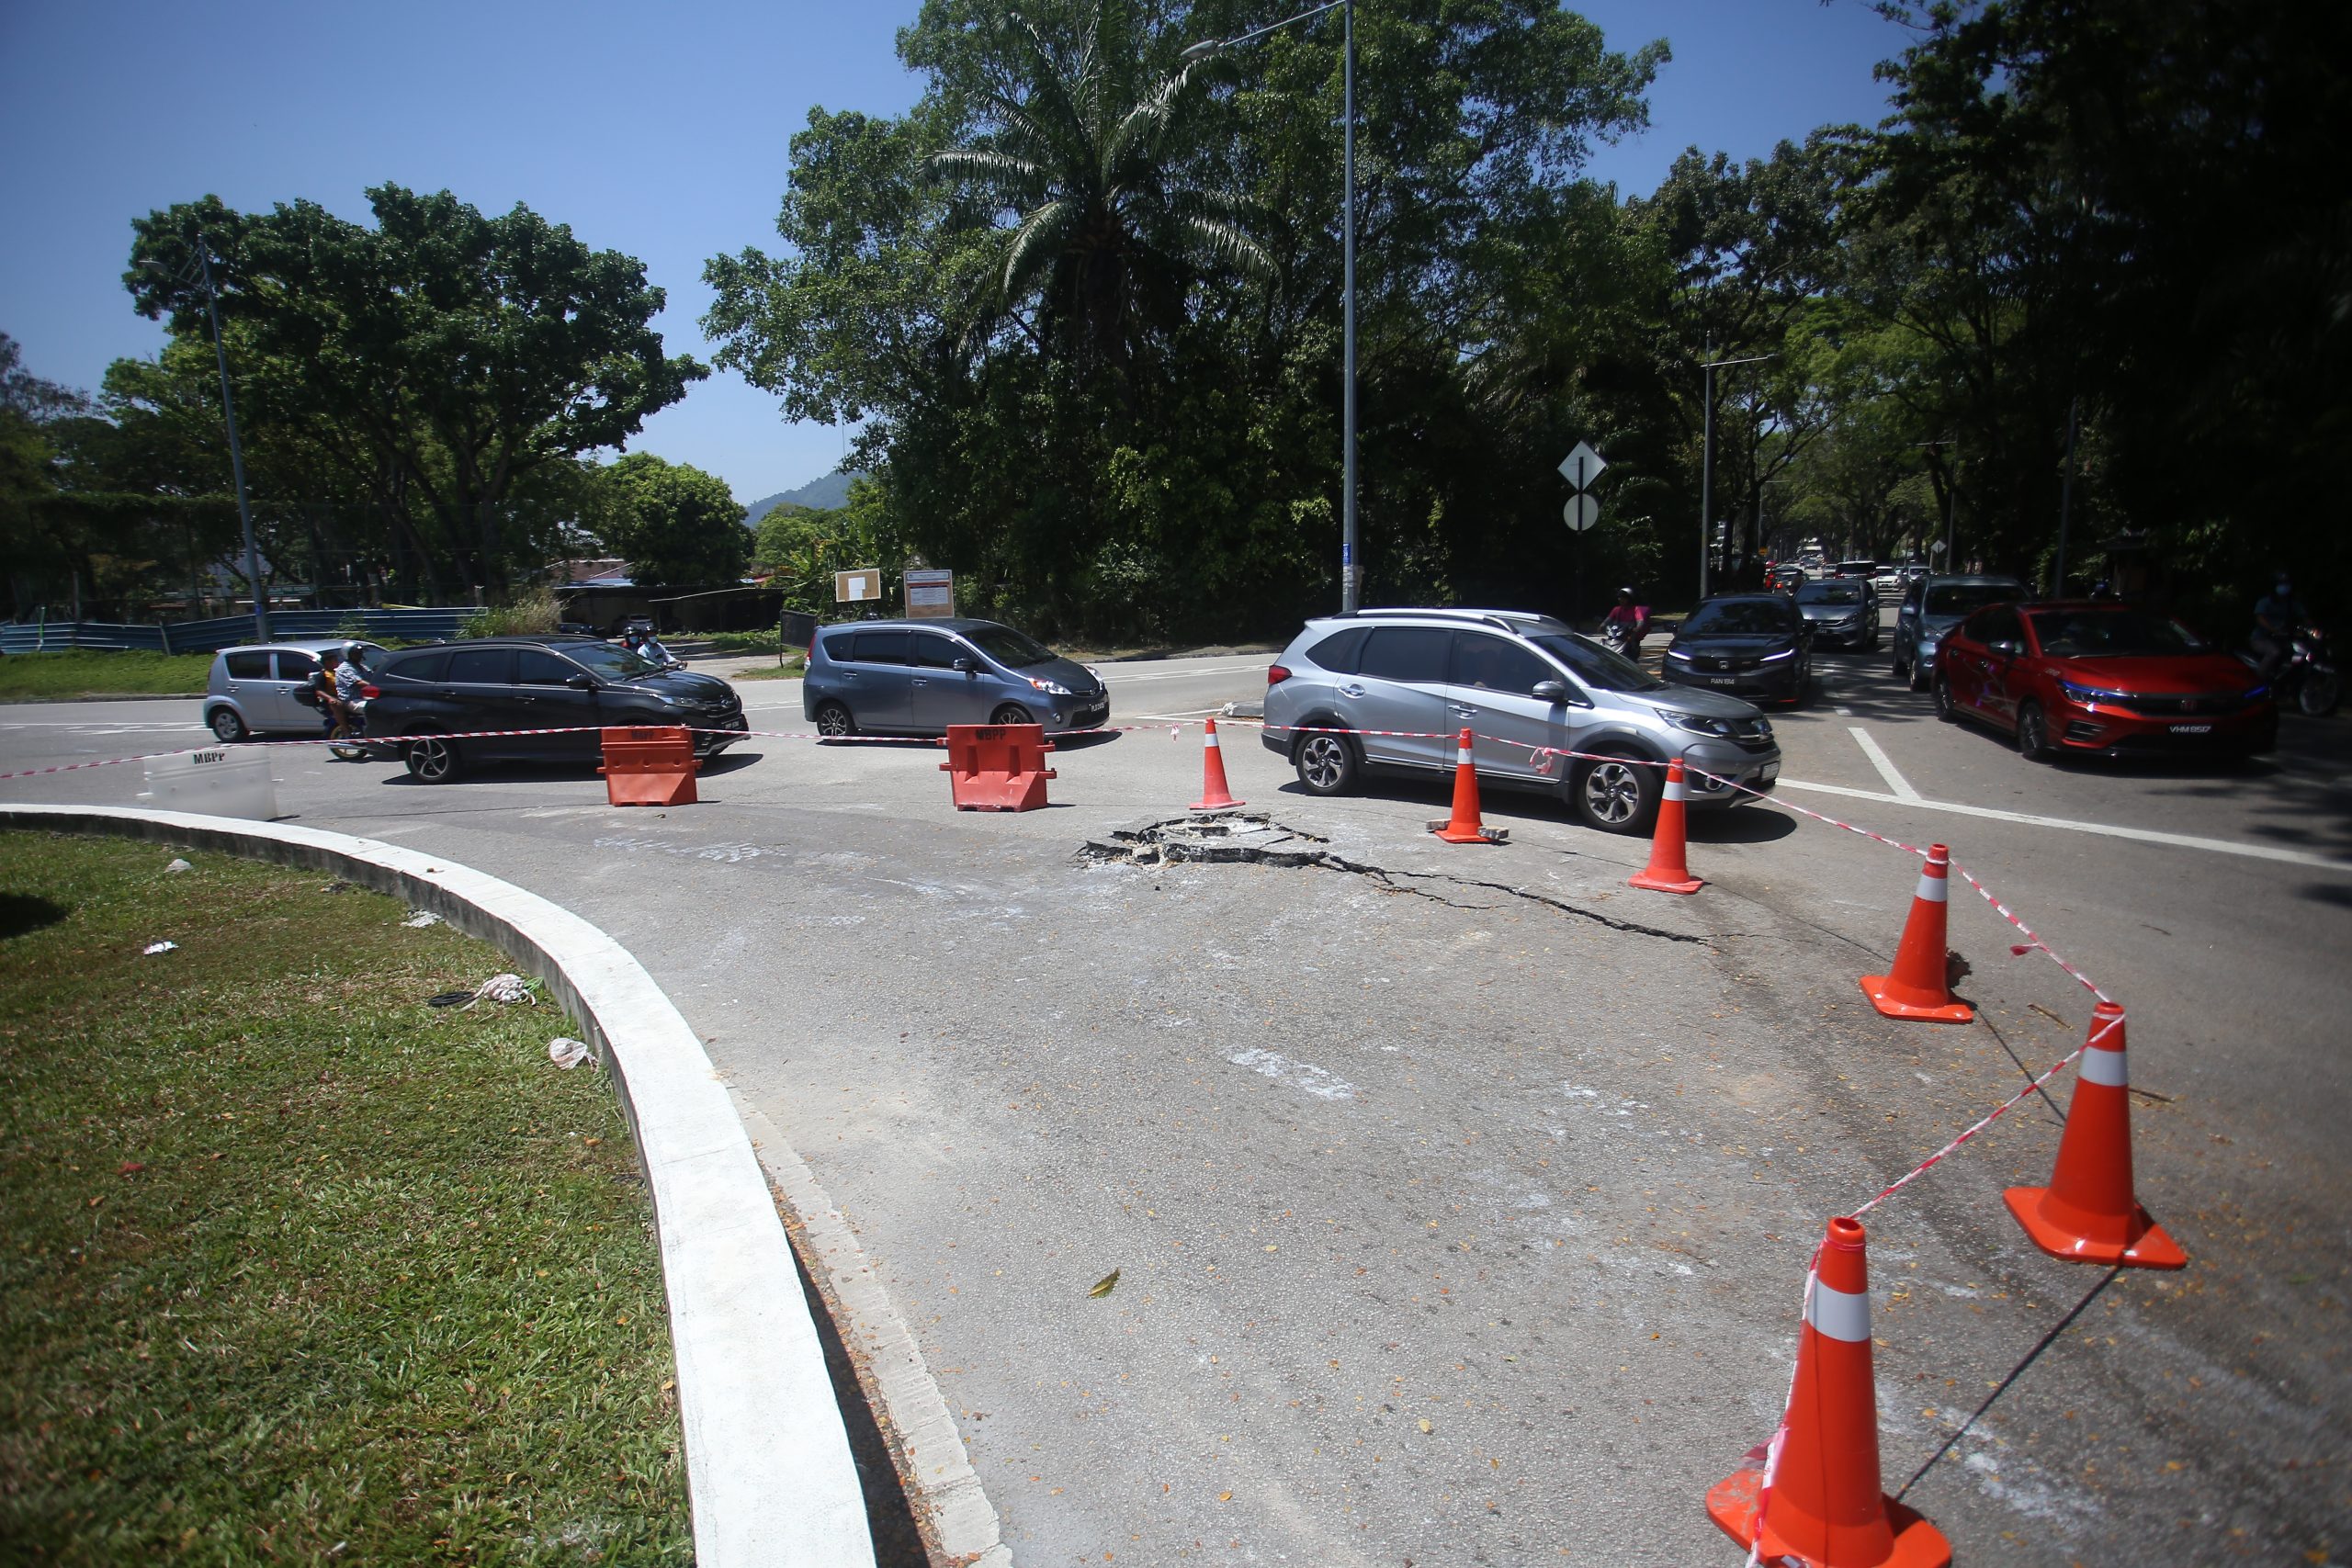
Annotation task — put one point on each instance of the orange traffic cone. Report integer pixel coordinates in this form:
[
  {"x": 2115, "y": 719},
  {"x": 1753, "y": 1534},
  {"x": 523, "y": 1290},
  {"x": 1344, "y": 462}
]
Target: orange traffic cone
[
  {"x": 1916, "y": 987},
  {"x": 1813, "y": 1493},
  {"x": 1463, "y": 827},
  {"x": 1215, "y": 796},
  {"x": 2087, "y": 1213},
  {"x": 1670, "y": 869}
]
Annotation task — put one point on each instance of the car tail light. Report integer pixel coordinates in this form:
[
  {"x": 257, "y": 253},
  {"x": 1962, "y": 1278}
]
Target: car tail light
[
  {"x": 1276, "y": 676},
  {"x": 370, "y": 692}
]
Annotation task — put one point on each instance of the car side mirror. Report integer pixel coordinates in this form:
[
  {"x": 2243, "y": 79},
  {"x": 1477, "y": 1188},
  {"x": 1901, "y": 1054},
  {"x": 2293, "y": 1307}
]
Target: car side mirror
[
  {"x": 581, "y": 683},
  {"x": 2008, "y": 649},
  {"x": 1550, "y": 692},
  {"x": 965, "y": 665}
]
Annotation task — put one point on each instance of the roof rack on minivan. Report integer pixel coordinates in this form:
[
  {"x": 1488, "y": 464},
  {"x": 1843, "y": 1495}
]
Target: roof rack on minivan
[{"x": 1507, "y": 620}]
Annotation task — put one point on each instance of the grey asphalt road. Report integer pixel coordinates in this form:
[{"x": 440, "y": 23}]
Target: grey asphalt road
[{"x": 1461, "y": 1199}]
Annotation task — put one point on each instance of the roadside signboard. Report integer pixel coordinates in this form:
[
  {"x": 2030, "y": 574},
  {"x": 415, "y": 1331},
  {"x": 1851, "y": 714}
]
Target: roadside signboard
[
  {"x": 1581, "y": 513},
  {"x": 1581, "y": 467},
  {"x": 852, "y": 587},
  {"x": 930, "y": 593}
]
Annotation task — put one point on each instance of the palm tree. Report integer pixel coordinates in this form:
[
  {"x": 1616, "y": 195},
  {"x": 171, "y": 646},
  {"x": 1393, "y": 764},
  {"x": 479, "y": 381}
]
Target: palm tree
[{"x": 1111, "y": 227}]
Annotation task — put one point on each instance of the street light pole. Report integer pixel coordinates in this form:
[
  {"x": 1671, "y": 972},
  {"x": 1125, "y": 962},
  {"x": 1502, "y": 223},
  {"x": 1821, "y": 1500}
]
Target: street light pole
[
  {"x": 1202, "y": 51},
  {"x": 1707, "y": 458},
  {"x": 1348, "y": 593},
  {"x": 236, "y": 449}
]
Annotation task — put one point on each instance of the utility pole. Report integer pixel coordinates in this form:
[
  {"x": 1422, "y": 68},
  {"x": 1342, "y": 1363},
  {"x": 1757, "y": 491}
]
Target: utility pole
[
  {"x": 2065, "y": 503},
  {"x": 236, "y": 450}
]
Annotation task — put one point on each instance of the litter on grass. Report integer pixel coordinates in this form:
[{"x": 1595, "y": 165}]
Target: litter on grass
[
  {"x": 177, "y": 864},
  {"x": 420, "y": 918},
  {"x": 567, "y": 1054},
  {"x": 505, "y": 988},
  {"x": 154, "y": 948}
]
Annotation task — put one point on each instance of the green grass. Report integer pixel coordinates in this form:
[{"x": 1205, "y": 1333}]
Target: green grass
[
  {"x": 87, "y": 671},
  {"x": 295, "y": 1268},
  {"x": 790, "y": 670},
  {"x": 741, "y": 642}
]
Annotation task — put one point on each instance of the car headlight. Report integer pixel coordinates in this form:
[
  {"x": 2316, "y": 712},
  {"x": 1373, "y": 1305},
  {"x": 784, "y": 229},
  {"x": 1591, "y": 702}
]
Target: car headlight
[
  {"x": 2081, "y": 693},
  {"x": 1051, "y": 688},
  {"x": 1928, "y": 647},
  {"x": 1784, "y": 653},
  {"x": 1677, "y": 656},
  {"x": 1699, "y": 724}
]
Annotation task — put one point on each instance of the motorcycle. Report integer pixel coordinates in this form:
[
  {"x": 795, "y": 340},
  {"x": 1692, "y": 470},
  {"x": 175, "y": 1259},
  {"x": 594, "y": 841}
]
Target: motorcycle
[
  {"x": 352, "y": 724},
  {"x": 1621, "y": 640},
  {"x": 2307, "y": 681}
]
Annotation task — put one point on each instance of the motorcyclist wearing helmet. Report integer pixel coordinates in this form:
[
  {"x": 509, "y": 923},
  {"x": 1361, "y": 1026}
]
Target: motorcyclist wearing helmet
[
  {"x": 2275, "y": 616},
  {"x": 1633, "y": 620},
  {"x": 351, "y": 673}
]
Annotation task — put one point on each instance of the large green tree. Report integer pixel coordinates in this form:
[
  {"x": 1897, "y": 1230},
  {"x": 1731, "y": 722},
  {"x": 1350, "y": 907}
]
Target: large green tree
[
  {"x": 673, "y": 524},
  {"x": 442, "y": 359}
]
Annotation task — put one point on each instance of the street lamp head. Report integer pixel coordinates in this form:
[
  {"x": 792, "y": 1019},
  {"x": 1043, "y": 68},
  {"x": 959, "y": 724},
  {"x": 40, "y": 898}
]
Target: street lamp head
[{"x": 1207, "y": 49}]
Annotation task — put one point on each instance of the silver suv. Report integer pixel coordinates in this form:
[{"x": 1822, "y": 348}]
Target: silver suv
[{"x": 1516, "y": 682}]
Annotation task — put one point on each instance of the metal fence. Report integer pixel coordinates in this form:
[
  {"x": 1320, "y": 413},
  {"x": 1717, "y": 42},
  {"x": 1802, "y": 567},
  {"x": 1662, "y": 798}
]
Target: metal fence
[{"x": 226, "y": 631}]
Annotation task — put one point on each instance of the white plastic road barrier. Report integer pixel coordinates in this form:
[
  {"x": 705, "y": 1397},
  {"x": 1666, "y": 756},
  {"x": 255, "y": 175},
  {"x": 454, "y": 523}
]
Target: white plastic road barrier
[
  {"x": 215, "y": 781},
  {"x": 768, "y": 1466}
]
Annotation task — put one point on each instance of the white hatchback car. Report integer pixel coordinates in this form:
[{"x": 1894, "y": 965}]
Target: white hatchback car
[{"x": 250, "y": 691}]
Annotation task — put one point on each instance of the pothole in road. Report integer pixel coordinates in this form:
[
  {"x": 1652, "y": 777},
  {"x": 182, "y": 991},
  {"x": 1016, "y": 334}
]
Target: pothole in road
[{"x": 1253, "y": 838}]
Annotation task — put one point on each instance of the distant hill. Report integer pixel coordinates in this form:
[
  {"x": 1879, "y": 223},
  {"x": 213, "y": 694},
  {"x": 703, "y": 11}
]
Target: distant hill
[{"x": 818, "y": 494}]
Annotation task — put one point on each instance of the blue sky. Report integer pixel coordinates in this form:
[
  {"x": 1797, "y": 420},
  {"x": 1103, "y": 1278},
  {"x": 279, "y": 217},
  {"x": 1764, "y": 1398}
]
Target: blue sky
[{"x": 657, "y": 130}]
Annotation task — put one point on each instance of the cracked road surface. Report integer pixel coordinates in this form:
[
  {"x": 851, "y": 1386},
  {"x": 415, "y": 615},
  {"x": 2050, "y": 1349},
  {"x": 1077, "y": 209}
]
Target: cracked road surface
[{"x": 1461, "y": 1197}]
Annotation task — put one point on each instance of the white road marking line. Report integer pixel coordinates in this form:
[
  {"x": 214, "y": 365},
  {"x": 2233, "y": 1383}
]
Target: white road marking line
[
  {"x": 1184, "y": 674},
  {"x": 1843, "y": 713},
  {"x": 2106, "y": 830},
  {"x": 1882, "y": 762}
]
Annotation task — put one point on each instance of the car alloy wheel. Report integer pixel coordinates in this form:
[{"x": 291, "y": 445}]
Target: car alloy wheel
[
  {"x": 2033, "y": 734},
  {"x": 226, "y": 727},
  {"x": 1326, "y": 764},
  {"x": 1010, "y": 713},
  {"x": 1618, "y": 796},
  {"x": 1945, "y": 709},
  {"x": 834, "y": 719},
  {"x": 432, "y": 760}
]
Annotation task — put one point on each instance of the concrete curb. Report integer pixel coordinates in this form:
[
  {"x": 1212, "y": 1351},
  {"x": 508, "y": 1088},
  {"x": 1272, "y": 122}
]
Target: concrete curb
[
  {"x": 768, "y": 1465},
  {"x": 938, "y": 1468}
]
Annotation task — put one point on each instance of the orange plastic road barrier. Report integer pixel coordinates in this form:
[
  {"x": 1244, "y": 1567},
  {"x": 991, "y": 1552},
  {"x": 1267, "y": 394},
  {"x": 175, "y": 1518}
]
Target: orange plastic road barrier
[
  {"x": 2087, "y": 1213},
  {"x": 1215, "y": 796},
  {"x": 1463, "y": 827},
  {"x": 1916, "y": 986},
  {"x": 997, "y": 767},
  {"x": 1669, "y": 867},
  {"x": 1825, "y": 1508},
  {"x": 650, "y": 767}
]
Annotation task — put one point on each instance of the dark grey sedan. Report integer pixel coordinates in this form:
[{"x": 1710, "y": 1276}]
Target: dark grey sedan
[{"x": 1840, "y": 612}]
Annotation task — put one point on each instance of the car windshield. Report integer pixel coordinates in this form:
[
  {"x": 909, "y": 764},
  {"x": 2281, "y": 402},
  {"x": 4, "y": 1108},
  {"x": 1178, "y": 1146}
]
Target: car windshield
[
  {"x": 1008, "y": 648},
  {"x": 1967, "y": 598},
  {"x": 2110, "y": 633},
  {"x": 1595, "y": 665},
  {"x": 1829, "y": 594},
  {"x": 613, "y": 663},
  {"x": 1740, "y": 617}
]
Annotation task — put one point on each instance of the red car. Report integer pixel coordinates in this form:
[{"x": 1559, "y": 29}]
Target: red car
[{"x": 2095, "y": 676}]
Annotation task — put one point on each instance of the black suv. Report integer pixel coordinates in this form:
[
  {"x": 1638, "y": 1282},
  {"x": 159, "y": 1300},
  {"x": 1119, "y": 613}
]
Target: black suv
[{"x": 575, "y": 684}]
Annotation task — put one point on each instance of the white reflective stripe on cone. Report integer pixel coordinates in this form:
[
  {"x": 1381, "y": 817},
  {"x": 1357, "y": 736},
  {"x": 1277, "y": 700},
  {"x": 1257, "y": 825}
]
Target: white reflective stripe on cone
[
  {"x": 1462, "y": 758},
  {"x": 2101, "y": 1066},
  {"x": 1934, "y": 889},
  {"x": 1673, "y": 788},
  {"x": 1841, "y": 1315},
  {"x": 1213, "y": 745}
]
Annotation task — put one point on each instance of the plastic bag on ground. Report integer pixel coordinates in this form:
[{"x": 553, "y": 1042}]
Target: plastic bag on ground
[
  {"x": 568, "y": 1054},
  {"x": 505, "y": 988}
]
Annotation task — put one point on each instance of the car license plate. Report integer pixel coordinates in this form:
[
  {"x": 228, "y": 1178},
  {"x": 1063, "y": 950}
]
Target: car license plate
[
  {"x": 1722, "y": 679},
  {"x": 2192, "y": 730},
  {"x": 1771, "y": 770}
]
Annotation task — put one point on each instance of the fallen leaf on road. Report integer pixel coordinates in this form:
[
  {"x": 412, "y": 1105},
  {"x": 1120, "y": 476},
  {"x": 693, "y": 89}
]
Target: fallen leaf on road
[{"x": 1105, "y": 1285}]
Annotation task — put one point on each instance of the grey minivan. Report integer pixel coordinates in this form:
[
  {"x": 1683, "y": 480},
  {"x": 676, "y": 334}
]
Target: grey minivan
[
  {"x": 1517, "y": 682},
  {"x": 918, "y": 677},
  {"x": 1932, "y": 606},
  {"x": 251, "y": 689}
]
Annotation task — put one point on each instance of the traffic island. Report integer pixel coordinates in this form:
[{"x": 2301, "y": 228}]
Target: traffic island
[{"x": 301, "y": 1266}]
